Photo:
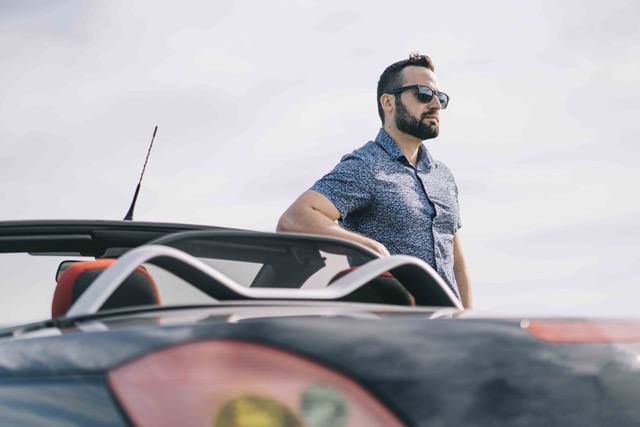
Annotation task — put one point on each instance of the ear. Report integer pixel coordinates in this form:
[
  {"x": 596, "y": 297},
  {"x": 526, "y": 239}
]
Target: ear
[{"x": 388, "y": 103}]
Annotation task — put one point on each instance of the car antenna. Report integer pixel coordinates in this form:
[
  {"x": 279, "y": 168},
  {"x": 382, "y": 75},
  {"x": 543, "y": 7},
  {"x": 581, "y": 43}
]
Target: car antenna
[{"x": 129, "y": 215}]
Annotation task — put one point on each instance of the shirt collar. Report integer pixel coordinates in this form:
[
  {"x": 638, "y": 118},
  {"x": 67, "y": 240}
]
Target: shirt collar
[{"x": 384, "y": 140}]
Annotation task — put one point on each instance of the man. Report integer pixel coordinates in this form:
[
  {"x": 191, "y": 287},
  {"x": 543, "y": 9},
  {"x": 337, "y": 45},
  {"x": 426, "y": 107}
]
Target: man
[{"x": 391, "y": 195}]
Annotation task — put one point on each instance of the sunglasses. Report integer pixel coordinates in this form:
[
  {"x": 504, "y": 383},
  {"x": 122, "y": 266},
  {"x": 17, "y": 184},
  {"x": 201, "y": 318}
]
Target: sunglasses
[{"x": 425, "y": 94}]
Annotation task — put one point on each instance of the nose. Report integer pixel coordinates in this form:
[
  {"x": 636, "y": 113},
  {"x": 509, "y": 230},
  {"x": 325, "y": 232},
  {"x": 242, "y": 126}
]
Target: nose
[{"x": 435, "y": 104}]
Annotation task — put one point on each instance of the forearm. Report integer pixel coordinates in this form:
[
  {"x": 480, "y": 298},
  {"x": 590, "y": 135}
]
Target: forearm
[
  {"x": 464, "y": 286},
  {"x": 461, "y": 274}
]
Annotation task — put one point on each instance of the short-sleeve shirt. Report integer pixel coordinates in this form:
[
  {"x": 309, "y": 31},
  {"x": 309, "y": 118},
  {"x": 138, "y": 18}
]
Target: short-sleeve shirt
[{"x": 410, "y": 210}]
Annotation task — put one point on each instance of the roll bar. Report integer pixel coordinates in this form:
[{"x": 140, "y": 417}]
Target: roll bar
[{"x": 416, "y": 275}]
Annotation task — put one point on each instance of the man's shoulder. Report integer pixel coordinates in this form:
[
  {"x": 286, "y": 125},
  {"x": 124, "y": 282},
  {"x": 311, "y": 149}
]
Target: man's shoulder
[
  {"x": 371, "y": 151},
  {"x": 442, "y": 166}
]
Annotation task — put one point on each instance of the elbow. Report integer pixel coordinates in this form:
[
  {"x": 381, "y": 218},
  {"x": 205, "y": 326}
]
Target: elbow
[
  {"x": 285, "y": 223},
  {"x": 293, "y": 221}
]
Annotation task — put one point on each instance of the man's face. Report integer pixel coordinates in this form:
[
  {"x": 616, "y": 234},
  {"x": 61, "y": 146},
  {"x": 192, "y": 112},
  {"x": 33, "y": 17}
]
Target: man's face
[
  {"x": 422, "y": 127},
  {"x": 413, "y": 117}
]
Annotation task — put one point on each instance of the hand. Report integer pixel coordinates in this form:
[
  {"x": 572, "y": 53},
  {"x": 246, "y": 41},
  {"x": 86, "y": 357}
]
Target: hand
[{"x": 378, "y": 247}]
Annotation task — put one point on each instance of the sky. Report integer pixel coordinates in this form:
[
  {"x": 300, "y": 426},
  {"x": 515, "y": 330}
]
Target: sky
[{"x": 254, "y": 101}]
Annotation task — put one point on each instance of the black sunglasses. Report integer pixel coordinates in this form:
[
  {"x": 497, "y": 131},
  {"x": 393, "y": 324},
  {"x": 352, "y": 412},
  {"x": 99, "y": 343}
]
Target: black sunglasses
[{"x": 425, "y": 94}]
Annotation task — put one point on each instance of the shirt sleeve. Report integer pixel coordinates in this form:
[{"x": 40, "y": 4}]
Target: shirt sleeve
[{"x": 347, "y": 186}]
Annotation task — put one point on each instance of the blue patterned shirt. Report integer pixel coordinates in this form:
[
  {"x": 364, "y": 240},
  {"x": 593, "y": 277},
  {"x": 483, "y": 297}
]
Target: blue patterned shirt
[{"x": 410, "y": 210}]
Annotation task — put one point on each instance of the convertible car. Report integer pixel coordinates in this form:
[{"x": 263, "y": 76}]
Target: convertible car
[{"x": 127, "y": 323}]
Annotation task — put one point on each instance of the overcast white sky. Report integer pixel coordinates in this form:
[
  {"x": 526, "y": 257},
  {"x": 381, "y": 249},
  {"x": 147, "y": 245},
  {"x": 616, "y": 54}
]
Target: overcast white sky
[{"x": 255, "y": 100}]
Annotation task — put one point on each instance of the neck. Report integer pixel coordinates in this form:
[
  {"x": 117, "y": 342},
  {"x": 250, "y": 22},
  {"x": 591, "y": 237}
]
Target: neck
[{"x": 409, "y": 145}]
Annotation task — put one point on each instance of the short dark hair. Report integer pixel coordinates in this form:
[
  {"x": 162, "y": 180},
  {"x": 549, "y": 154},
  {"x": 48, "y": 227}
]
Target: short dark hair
[{"x": 391, "y": 78}]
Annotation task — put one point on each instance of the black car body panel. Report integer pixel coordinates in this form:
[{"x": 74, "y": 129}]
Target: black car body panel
[
  {"x": 73, "y": 400},
  {"x": 429, "y": 371}
]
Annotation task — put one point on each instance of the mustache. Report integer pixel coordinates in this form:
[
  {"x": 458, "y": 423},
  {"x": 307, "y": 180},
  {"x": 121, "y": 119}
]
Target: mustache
[{"x": 432, "y": 113}]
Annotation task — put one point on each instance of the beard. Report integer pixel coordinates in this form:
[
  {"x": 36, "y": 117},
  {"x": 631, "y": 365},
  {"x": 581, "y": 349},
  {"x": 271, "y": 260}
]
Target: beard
[{"x": 414, "y": 126}]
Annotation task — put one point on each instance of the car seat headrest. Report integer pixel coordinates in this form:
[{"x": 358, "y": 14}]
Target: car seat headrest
[
  {"x": 384, "y": 289},
  {"x": 138, "y": 289}
]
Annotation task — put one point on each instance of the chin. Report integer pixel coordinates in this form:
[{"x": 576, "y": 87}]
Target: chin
[{"x": 431, "y": 133}]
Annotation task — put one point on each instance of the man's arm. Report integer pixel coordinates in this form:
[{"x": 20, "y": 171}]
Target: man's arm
[
  {"x": 314, "y": 213},
  {"x": 460, "y": 271}
]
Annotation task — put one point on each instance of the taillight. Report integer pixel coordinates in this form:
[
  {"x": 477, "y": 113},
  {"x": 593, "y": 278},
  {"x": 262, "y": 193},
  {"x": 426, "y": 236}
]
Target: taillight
[
  {"x": 237, "y": 384},
  {"x": 584, "y": 331}
]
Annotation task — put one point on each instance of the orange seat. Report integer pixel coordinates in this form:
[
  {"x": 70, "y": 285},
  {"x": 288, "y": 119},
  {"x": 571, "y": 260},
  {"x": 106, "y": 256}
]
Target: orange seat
[{"x": 138, "y": 289}]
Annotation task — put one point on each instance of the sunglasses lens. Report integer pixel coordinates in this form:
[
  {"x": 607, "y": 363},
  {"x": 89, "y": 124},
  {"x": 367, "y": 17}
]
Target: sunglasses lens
[
  {"x": 444, "y": 100},
  {"x": 424, "y": 94}
]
